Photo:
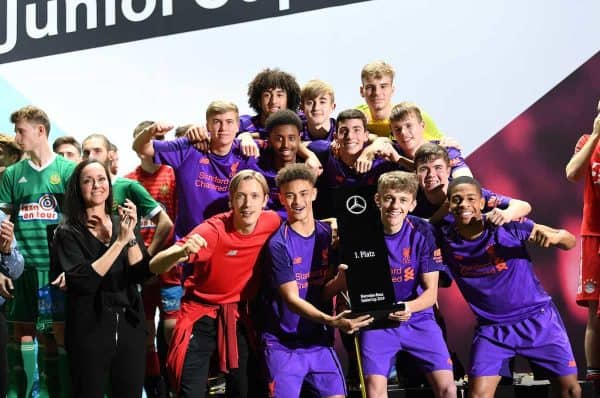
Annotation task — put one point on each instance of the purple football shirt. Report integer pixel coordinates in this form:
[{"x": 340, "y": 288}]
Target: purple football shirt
[
  {"x": 337, "y": 174},
  {"x": 305, "y": 134},
  {"x": 202, "y": 179},
  {"x": 494, "y": 271},
  {"x": 305, "y": 260},
  {"x": 267, "y": 168}
]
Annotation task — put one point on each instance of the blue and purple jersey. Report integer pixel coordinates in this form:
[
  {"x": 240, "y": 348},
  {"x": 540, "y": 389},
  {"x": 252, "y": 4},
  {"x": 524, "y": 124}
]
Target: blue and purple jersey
[
  {"x": 412, "y": 251},
  {"x": 202, "y": 179},
  {"x": 494, "y": 271},
  {"x": 292, "y": 257}
]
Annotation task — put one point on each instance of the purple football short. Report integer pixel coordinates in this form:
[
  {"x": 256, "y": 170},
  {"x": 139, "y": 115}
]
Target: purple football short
[
  {"x": 289, "y": 368},
  {"x": 421, "y": 338},
  {"x": 541, "y": 338}
]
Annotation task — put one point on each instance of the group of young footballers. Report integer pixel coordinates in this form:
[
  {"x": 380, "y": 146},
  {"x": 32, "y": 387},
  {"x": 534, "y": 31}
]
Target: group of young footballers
[{"x": 239, "y": 219}]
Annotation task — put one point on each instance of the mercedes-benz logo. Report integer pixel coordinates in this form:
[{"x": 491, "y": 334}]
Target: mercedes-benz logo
[{"x": 356, "y": 204}]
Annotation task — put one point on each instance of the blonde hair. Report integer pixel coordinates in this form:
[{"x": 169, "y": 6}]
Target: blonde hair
[
  {"x": 219, "y": 107},
  {"x": 33, "y": 114},
  {"x": 247, "y": 175},
  {"x": 377, "y": 69},
  {"x": 313, "y": 88}
]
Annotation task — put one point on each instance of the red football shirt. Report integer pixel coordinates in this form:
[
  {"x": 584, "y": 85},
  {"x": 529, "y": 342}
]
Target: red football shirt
[
  {"x": 590, "y": 223},
  {"x": 161, "y": 186}
]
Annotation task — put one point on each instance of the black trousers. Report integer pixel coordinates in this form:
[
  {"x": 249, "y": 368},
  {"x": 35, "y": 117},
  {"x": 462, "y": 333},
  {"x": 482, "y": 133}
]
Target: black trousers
[
  {"x": 114, "y": 348},
  {"x": 197, "y": 362}
]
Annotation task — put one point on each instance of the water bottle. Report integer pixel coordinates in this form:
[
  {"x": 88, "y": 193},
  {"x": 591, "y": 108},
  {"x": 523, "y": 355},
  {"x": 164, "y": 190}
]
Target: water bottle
[{"x": 44, "y": 318}]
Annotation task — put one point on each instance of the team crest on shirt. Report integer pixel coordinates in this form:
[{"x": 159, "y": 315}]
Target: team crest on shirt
[
  {"x": 589, "y": 286},
  {"x": 234, "y": 168},
  {"x": 164, "y": 190},
  {"x": 297, "y": 260},
  {"x": 44, "y": 209},
  {"x": 55, "y": 179},
  {"x": 204, "y": 161},
  {"x": 406, "y": 255}
]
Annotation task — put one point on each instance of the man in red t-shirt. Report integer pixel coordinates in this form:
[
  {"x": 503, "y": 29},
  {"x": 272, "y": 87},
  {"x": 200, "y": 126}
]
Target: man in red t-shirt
[
  {"x": 586, "y": 163},
  {"x": 223, "y": 251}
]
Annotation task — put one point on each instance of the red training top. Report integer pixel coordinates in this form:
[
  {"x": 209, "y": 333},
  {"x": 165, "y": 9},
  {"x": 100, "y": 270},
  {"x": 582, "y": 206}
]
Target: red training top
[
  {"x": 225, "y": 272},
  {"x": 590, "y": 223}
]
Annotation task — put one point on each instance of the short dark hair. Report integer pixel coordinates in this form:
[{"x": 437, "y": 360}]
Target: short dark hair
[
  {"x": 66, "y": 140},
  {"x": 293, "y": 172},
  {"x": 464, "y": 180},
  {"x": 351, "y": 114},
  {"x": 269, "y": 79},
  {"x": 74, "y": 206},
  {"x": 429, "y": 152},
  {"x": 281, "y": 118}
]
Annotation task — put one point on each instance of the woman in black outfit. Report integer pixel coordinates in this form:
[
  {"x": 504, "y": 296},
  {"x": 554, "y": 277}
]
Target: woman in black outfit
[{"x": 103, "y": 262}]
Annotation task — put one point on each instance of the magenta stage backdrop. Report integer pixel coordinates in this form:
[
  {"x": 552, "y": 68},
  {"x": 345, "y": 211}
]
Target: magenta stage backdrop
[{"x": 526, "y": 160}]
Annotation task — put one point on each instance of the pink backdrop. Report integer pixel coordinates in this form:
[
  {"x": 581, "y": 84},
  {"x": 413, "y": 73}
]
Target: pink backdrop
[{"x": 526, "y": 160}]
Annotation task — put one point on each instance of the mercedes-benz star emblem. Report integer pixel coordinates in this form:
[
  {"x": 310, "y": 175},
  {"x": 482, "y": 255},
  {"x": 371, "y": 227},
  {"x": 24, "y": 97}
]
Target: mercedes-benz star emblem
[{"x": 356, "y": 204}]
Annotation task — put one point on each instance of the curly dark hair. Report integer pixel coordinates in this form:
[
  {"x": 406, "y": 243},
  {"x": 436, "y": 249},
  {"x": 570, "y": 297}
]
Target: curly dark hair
[{"x": 269, "y": 79}]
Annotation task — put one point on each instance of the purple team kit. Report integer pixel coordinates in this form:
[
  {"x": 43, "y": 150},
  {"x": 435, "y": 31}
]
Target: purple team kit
[
  {"x": 411, "y": 252},
  {"x": 515, "y": 315},
  {"x": 203, "y": 179},
  {"x": 298, "y": 349}
]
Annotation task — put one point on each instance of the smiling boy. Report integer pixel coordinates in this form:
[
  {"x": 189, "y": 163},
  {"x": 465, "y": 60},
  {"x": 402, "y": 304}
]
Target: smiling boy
[
  {"x": 495, "y": 275},
  {"x": 298, "y": 336},
  {"x": 414, "y": 268}
]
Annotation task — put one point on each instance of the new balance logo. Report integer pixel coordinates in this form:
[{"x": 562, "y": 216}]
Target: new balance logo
[
  {"x": 232, "y": 253},
  {"x": 22, "y": 180}
]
